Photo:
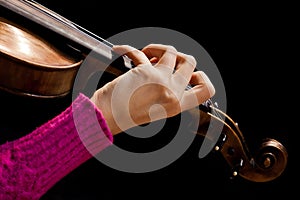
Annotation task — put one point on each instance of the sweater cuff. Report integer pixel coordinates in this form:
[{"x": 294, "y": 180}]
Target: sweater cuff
[{"x": 90, "y": 125}]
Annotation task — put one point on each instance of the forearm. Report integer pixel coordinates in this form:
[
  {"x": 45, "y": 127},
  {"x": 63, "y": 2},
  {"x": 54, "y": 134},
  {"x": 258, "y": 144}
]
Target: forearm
[{"x": 31, "y": 165}]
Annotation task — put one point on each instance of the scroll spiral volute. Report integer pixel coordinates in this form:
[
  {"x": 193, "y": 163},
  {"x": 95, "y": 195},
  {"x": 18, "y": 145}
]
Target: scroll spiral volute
[{"x": 271, "y": 160}]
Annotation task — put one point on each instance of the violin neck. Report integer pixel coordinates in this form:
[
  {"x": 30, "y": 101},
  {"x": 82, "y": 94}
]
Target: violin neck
[{"x": 60, "y": 25}]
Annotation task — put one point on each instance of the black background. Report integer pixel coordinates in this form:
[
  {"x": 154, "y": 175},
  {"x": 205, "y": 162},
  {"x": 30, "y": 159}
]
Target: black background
[{"x": 251, "y": 46}]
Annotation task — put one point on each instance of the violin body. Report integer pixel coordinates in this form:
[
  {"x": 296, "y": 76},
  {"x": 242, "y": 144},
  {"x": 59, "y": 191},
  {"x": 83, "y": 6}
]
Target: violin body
[{"x": 38, "y": 67}]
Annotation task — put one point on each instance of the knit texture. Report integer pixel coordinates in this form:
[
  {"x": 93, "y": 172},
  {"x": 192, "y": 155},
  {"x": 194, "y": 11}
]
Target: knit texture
[{"x": 31, "y": 165}]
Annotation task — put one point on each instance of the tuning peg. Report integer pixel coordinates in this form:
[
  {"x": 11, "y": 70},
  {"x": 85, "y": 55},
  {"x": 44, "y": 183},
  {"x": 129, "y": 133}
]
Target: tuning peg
[
  {"x": 236, "y": 168},
  {"x": 220, "y": 142}
]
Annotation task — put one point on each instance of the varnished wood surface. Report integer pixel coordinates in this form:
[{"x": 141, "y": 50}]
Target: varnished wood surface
[
  {"x": 28, "y": 47},
  {"x": 32, "y": 66}
]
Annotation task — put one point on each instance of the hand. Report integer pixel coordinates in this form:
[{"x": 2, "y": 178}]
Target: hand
[{"x": 154, "y": 89}]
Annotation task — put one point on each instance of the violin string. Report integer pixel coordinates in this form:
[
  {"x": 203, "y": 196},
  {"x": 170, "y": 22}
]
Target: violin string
[
  {"x": 214, "y": 112},
  {"x": 209, "y": 104},
  {"x": 67, "y": 22},
  {"x": 94, "y": 35}
]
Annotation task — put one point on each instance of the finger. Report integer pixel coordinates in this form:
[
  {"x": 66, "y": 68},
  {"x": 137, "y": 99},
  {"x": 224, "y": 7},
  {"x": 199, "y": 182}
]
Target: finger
[
  {"x": 184, "y": 69},
  {"x": 202, "y": 90},
  {"x": 199, "y": 77},
  {"x": 137, "y": 56},
  {"x": 165, "y": 55},
  {"x": 186, "y": 64}
]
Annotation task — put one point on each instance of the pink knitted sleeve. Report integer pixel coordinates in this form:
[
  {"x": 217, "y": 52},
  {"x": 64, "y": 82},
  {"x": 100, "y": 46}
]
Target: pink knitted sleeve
[{"x": 31, "y": 165}]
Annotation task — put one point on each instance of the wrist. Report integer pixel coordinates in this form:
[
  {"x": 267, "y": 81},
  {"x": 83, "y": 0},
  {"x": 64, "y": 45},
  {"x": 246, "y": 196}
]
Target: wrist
[{"x": 102, "y": 102}]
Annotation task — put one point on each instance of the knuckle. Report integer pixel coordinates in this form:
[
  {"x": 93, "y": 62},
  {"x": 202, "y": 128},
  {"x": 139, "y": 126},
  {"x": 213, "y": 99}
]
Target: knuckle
[
  {"x": 171, "y": 49},
  {"x": 191, "y": 59},
  {"x": 162, "y": 47}
]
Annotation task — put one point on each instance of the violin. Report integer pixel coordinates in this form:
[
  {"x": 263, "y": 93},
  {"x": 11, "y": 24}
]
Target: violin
[{"x": 44, "y": 70}]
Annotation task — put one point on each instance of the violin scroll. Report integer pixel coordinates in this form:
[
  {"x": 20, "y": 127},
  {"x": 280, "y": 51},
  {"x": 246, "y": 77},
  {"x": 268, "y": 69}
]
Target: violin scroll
[
  {"x": 270, "y": 161},
  {"x": 266, "y": 164}
]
